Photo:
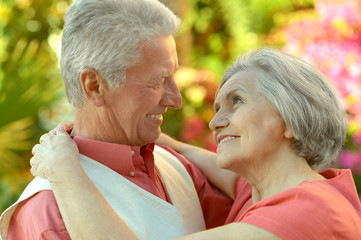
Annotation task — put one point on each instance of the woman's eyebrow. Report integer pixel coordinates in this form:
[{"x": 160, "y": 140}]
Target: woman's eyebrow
[
  {"x": 229, "y": 95},
  {"x": 232, "y": 92}
]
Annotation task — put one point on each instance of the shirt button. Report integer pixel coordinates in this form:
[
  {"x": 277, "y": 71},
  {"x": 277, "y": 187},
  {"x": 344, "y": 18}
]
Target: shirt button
[
  {"x": 132, "y": 152},
  {"x": 132, "y": 174}
]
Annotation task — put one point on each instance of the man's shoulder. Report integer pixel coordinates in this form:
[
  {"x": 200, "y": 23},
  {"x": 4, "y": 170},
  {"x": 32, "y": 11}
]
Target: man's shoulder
[
  {"x": 35, "y": 216},
  {"x": 42, "y": 200},
  {"x": 41, "y": 205}
]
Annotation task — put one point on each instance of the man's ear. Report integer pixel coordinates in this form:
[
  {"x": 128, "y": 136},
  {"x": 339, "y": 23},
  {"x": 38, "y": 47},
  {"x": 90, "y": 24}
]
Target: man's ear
[{"x": 93, "y": 86}]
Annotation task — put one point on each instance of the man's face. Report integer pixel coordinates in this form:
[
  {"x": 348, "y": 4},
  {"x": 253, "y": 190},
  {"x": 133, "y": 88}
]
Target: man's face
[{"x": 135, "y": 110}]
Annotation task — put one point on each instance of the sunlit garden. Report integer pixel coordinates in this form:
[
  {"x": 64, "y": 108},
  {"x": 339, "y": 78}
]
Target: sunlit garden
[{"x": 326, "y": 33}]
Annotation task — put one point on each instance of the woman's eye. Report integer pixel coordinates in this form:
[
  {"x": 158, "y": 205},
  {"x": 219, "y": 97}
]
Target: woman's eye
[{"x": 237, "y": 99}]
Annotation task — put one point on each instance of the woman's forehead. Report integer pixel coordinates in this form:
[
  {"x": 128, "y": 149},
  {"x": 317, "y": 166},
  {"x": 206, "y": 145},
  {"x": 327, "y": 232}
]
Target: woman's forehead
[{"x": 244, "y": 81}]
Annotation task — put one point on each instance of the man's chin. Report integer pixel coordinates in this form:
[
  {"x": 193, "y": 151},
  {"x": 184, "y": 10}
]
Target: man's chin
[{"x": 151, "y": 138}]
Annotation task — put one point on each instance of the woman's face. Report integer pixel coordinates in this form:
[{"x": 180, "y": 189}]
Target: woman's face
[{"x": 246, "y": 129}]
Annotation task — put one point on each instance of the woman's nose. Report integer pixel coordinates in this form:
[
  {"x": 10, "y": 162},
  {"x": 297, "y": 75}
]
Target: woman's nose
[{"x": 218, "y": 121}]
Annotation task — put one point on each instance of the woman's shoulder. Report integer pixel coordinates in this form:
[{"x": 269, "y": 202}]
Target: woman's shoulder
[
  {"x": 313, "y": 207},
  {"x": 337, "y": 189},
  {"x": 333, "y": 198}
]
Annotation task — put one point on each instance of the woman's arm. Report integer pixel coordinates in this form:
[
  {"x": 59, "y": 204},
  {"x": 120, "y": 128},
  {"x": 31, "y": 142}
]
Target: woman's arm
[
  {"x": 233, "y": 231},
  {"x": 205, "y": 160},
  {"x": 86, "y": 214}
]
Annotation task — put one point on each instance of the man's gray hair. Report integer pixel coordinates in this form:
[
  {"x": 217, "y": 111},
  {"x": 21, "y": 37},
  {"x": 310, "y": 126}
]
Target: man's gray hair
[
  {"x": 305, "y": 100},
  {"x": 105, "y": 35}
]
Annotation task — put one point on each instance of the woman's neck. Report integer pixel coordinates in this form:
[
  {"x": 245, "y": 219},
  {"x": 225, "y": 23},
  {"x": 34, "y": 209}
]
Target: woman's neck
[{"x": 279, "y": 174}]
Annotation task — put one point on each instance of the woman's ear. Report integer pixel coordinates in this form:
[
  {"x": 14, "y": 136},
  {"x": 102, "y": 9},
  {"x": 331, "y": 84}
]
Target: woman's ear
[
  {"x": 288, "y": 133},
  {"x": 93, "y": 86}
]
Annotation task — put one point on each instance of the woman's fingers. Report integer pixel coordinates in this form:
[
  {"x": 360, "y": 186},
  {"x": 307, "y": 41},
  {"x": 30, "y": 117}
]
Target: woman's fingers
[
  {"x": 35, "y": 148},
  {"x": 61, "y": 130},
  {"x": 34, "y": 163},
  {"x": 66, "y": 126},
  {"x": 55, "y": 157},
  {"x": 38, "y": 167},
  {"x": 33, "y": 171},
  {"x": 44, "y": 137},
  {"x": 33, "y": 166}
]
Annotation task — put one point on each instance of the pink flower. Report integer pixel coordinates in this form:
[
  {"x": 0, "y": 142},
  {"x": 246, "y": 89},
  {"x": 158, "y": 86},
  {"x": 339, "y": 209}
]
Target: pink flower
[
  {"x": 351, "y": 160},
  {"x": 333, "y": 44},
  {"x": 209, "y": 142},
  {"x": 192, "y": 128},
  {"x": 357, "y": 138}
]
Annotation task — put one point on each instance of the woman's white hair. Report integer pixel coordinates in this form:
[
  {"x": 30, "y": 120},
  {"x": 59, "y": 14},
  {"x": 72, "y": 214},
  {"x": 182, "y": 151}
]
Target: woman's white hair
[
  {"x": 309, "y": 106},
  {"x": 105, "y": 35}
]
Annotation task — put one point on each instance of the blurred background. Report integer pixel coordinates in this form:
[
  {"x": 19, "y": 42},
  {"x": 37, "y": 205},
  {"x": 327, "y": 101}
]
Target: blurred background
[{"x": 326, "y": 33}]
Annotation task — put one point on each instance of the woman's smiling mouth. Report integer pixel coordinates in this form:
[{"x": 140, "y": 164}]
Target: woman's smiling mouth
[{"x": 223, "y": 139}]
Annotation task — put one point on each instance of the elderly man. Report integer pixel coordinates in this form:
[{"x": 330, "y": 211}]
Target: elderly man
[{"x": 118, "y": 60}]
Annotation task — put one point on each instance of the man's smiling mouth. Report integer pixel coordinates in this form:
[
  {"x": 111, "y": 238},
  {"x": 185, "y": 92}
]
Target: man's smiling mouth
[{"x": 155, "y": 116}]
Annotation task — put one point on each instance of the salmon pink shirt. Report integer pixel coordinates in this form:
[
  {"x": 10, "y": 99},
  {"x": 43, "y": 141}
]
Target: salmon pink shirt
[
  {"x": 321, "y": 210},
  {"x": 39, "y": 216}
]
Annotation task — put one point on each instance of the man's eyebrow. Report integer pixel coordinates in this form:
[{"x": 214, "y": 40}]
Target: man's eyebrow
[
  {"x": 164, "y": 75},
  {"x": 169, "y": 74}
]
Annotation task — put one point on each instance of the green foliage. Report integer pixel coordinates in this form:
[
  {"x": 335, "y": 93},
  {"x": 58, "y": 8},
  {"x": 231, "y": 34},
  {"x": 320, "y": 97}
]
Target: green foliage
[
  {"x": 223, "y": 29},
  {"x": 265, "y": 13},
  {"x": 29, "y": 80}
]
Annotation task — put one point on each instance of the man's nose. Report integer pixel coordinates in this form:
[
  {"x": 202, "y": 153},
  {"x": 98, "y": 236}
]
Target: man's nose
[{"x": 172, "y": 97}]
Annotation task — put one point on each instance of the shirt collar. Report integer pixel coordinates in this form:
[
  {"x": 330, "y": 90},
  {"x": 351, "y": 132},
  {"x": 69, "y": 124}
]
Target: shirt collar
[{"x": 117, "y": 157}]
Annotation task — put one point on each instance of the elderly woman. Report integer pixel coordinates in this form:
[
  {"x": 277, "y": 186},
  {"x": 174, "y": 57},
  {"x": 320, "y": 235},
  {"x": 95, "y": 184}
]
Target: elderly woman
[{"x": 278, "y": 124}]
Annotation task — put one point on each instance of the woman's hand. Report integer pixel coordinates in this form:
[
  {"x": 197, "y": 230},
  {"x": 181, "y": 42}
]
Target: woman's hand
[
  {"x": 56, "y": 157},
  {"x": 66, "y": 125}
]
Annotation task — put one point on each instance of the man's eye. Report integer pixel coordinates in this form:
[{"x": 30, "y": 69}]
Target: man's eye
[{"x": 160, "y": 83}]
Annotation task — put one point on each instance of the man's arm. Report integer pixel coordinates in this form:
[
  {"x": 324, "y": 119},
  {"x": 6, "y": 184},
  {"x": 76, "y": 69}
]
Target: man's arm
[{"x": 205, "y": 160}]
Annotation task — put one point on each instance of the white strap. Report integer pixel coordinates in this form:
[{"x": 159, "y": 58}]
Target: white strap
[{"x": 181, "y": 189}]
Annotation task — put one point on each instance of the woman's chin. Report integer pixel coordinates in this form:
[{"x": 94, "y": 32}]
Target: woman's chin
[
  {"x": 223, "y": 163},
  {"x": 228, "y": 160}
]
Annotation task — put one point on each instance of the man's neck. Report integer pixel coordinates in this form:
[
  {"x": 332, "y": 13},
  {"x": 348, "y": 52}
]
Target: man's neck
[{"x": 95, "y": 126}]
